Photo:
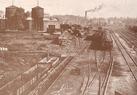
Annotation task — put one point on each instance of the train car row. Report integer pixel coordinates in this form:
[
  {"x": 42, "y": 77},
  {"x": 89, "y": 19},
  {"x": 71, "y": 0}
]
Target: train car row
[
  {"x": 27, "y": 81},
  {"x": 45, "y": 83}
]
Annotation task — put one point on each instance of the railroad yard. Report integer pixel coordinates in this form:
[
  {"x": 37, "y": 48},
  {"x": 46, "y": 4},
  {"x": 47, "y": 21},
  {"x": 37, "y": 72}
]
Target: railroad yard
[
  {"x": 88, "y": 71},
  {"x": 117, "y": 76},
  {"x": 68, "y": 54}
]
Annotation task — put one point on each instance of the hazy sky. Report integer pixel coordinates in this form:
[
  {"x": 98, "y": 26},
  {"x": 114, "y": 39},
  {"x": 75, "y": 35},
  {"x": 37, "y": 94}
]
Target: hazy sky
[{"x": 77, "y": 7}]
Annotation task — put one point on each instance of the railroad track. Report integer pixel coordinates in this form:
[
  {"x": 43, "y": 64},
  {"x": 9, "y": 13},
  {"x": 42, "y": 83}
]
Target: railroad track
[
  {"x": 43, "y": 78},
  {"x": 128, "y": 59},
  {"x": 128, "y": 40},
  {"x": 61, "y": 74},
  {"x": 130, "y": 35},
  {"x": 102, "y": 86},
  {"x": 88, "y": 77},
  {"x": 63, "y": 71},
  {"x": 131, "y": 63}
]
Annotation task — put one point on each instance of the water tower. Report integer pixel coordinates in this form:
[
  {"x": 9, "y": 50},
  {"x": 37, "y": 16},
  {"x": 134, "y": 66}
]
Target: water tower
[
  {"x": 37, "y": 17},
  {"x": 10, "y": 13},
  {"x": 14, "y": 18}
]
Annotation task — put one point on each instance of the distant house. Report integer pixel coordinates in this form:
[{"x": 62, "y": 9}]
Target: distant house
[{"x": 51, "y": 21}]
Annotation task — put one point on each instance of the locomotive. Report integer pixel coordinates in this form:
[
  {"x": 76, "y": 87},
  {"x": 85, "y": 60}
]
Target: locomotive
[
  {"x": 100, "y": 40},
  {"x": 132, "y": 28}
]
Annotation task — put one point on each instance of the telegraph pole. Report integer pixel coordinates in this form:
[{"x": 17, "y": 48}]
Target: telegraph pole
[
  {"x": 37, "y": 2},
  {"x": 13, "y": 2}
]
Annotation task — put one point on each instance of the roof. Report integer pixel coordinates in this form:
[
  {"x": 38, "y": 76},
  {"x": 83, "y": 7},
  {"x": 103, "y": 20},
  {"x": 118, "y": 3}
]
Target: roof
[
  {"x": 12, "y": 6},
  {"x": 44, "y": 60},
  {"x": 29, "y": 18},
  {"x": 2, "y": 18},
  {"x": 46, "y": 19},
  {"x": 37, "y": 7},
  {"x": 51, "y": 19}
]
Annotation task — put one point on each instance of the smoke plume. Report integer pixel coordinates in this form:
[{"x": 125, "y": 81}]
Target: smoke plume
[{"x": 96, "y": 8}]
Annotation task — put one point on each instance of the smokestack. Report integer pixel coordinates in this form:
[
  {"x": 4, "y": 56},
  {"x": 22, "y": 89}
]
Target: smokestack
[{"x": 86, "y": 14}]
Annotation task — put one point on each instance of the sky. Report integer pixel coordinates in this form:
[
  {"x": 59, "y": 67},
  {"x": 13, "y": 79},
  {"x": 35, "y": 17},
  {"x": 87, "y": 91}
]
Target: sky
[{"x": 110, "y": 8}]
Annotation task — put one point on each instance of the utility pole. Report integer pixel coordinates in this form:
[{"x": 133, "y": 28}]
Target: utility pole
[
  {"x": 37, "y": 2},
  {"x": 13, "y": 2},
  {"x": 48, "y": 53}
]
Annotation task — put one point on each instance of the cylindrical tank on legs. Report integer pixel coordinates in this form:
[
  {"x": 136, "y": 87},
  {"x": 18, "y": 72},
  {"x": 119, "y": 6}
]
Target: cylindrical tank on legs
[
  {"x": 37, "y": 16},
  {"x": 11, "y": 11},
  {"x": 15, "y": 18},
  {"x": 20, "y": 11},
  {"x": 37, "y": 12}
]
